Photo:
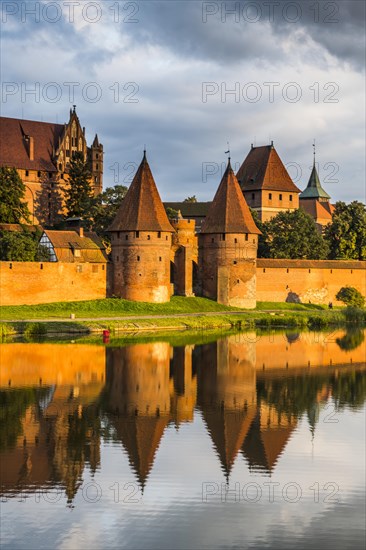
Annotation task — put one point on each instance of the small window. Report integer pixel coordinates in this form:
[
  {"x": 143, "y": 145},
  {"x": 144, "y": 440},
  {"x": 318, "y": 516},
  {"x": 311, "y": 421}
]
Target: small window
[
  {"x": 287, "y": 270},
  {"x": 94, "y": 269},
  {"x": 138, "y": 258},
  {"x": 159, "y": 234},
  {"x": 331, "y": 270},
  {"x": 97, "y": 156},
  {"x": 212, "y": 240},
  {"x": 309, "y": 270},
  {"x": 246, "y": 236},
  {"x": 253, "y": 196},
  {"x": 126, "y": 237},
  {"x": 77, "y": 253},
  {"x": 97, "y": 166},
  {"x": 264, "y": 270},
  {"x": 103, "y": 267},
  {"x": 223, "y": 236},
  {"x": 27, "y": 172},
  {"x": 235, "y": 241},
  {"x": 290, "y": 197},
  {"x": 41, "y": 266},
  {"x": 235, "y": 262},
  {"x": 10, "y": 266},
  {"x": 137, "y": 234},
  {"x": 148, "y": 237},
  {"x": 166, "y": 238},
  {"x": 160, "y": 259},
  {"x": 270, "y": 196},
  {"x": 38, "y": 174},
  {"x": 280, "y": 197}
]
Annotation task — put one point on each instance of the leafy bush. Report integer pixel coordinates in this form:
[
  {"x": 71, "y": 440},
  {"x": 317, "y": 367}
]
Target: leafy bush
[
  {"x": 355, "y": 315},
  {"x": 350, "y": 296}
]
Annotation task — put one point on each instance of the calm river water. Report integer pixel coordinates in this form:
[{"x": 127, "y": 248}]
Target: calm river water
[{"x": 240, "y": 441}]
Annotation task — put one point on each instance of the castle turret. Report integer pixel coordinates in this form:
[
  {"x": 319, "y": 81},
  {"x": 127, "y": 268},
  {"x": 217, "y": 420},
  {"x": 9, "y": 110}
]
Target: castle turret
[
  {"x": 228, "y": 246},
  {"x": 141, "y": 238}
]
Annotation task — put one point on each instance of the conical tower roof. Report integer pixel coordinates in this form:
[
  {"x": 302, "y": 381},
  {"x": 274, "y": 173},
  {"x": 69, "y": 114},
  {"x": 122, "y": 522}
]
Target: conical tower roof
[
  {"x": 229, "y": 212},
  {"x": 142, "y": 209},
  {"x": 141, "y": 437},
  {"x": 314, "y": 189}
]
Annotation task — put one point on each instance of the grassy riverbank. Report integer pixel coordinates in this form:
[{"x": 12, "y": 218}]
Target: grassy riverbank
[{"x": 180, "y": 314}]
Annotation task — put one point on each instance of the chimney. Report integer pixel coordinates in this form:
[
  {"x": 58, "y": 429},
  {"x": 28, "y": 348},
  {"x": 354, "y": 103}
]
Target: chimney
[{"x": 30, "y": 143}]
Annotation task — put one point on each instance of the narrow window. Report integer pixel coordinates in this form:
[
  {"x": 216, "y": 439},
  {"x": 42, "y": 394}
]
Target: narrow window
[
  {"x": 148, "y": 237},
  {"x": 270, "y": 196},
  {"x": 235, "y": 262},
  {"x": 309, "y": 270},
  {"x": 290, "y": 198},
  {"x": 235, "y": 241},
  {"x": 10, "y": 266},
  {"x": 253, "y": 196},
  {"x": 137, "y": 234},
  {"x": 280, "y": 196},
  {"x": 264, "y": 270},
  {"x": 223, "y": 236},
  {"x": 246, "y": 236},
  {"x": 27, "y": 172},
  {"x": 287, "y": 270},
  {"x": 160, "y": 259},
  {"x": 159, "y": 234},
  {"x": 138, "y": 258},
  {"x": 166, "y": 238},
  {"x": 41, "y": 266},
  {"x": 38, "y": 174}
]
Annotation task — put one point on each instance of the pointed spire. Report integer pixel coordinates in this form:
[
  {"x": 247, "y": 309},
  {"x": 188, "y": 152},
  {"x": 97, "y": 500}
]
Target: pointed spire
[
  {"x": 229, "y": 212},
  {"x": 314, "y": 190},
  {"x": 142, "y": 209},
  {"x": 96, "y": 141}
]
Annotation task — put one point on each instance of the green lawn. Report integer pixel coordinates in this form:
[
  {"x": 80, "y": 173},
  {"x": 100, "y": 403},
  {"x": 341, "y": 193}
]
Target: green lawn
[{"x": 112, "y": 307}]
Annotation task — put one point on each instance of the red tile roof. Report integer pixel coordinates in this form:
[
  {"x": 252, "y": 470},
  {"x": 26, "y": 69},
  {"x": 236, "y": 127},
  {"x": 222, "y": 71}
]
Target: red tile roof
[
  {"x": 13, "y": 148},
  {"x": 316, "y": 209},
  {"x": 90, "y": 246},
  {"x": 263, "y": 169},
  {"x": 229, "y": 213},
  {"x": 142, "y": 209}
]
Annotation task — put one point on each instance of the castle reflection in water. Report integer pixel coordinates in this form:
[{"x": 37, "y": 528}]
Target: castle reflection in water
[{"x": 59, "y": 401}]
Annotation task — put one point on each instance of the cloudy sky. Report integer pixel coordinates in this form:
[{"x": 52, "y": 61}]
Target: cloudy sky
[{"x": 186, "y": 77}]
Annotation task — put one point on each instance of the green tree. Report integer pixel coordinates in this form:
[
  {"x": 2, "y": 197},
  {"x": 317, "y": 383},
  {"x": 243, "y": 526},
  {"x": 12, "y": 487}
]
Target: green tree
[
  {"x": 105, "y": 208},
  {"x": 191, "y": 199},
  {"x": 13, "y": 208},
  {"x": 171, "y": 213},
  {"x": 293, "y": 235},
  {"x": 79, "y": 194},
  {"x": 22, "y": 246},
  {"x": 350, "y": 296},
  {"x": 346, "y": 234}
]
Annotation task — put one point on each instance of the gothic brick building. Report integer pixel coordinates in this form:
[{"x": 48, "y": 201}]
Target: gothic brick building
[
  {"x": 266, "y": 184},
  {"x": 41, "y": 152}
]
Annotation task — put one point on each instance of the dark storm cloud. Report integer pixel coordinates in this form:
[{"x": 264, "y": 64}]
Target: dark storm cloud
[{"x": 207, "y": 30}]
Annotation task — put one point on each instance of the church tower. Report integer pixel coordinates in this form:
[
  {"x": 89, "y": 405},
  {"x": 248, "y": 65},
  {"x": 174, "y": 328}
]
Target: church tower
[
  {"x": 316, "y": 201},
  {"x": 96, "y": 165},
  {"x": 141, "y": 238},
  {"x": 228, "y": 246}
]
